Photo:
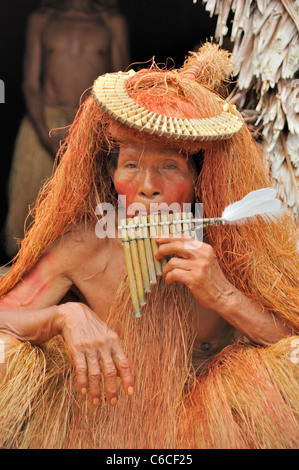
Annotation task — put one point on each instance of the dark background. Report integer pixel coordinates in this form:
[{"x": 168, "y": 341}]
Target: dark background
[{"x": 164, "y": 29}]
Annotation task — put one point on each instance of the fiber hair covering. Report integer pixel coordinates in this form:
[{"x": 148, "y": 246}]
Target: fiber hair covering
[{"x": 261, "y": 260}]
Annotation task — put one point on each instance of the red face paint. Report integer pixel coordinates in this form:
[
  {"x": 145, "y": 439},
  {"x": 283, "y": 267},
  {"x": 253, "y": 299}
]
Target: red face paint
[{"x": 148, "y": 174}]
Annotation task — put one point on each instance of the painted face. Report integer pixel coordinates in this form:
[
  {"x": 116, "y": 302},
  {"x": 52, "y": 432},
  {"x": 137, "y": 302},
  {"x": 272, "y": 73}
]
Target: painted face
[{"x": 151, "y": 175}]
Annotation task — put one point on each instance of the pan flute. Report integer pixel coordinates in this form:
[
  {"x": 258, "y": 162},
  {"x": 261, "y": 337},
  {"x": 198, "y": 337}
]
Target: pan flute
[{"x": 138, "y": 239}]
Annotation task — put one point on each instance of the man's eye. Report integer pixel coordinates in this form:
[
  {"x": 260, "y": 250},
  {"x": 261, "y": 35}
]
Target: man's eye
[
  {"x": 131, "y": 165},
  {"x": 170, "y": 166}
]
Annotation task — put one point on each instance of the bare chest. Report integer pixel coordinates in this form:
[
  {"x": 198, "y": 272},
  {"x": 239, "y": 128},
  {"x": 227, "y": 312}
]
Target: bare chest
[
  {"x": 100, "y": 277},
  {"x": 75, "y": 36}
]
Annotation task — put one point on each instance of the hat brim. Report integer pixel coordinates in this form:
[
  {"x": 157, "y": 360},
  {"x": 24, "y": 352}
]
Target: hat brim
[{"x": 110, "y": 92}]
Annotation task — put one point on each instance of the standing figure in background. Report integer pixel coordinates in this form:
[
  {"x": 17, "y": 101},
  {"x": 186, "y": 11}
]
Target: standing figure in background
[{"x": 69, "y": 44}]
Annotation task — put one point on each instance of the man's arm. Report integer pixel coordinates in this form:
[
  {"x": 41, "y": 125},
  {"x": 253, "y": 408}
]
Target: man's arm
[
  {"x": 32, "y": 79},
  {"x": 29, "y": 312},
  {"x": 197, "y": 267},
  {"x": 120, "y": 54}
]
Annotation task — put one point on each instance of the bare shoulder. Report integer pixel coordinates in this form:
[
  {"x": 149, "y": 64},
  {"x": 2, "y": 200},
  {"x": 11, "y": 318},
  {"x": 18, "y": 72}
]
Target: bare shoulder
[
  {"x": 38, "y": 19},
  {"x": 53, "y": 275},
  {"x": 81, "y": 237},
  {"x": 78, "y": 245},
  {"x": 114, "y": 19}
]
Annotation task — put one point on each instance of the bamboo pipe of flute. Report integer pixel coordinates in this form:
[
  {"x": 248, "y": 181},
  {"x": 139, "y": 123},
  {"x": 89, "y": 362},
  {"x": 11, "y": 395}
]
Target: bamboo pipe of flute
[
  {"x": 165, "y": 229},
  {"x": 130, "y": 269},
  {"x": 148, "y": 252},
  {"x": 142, "y": 255},
  {"x": 153, "y": 233},
  {"x": 136, "y": 262}
]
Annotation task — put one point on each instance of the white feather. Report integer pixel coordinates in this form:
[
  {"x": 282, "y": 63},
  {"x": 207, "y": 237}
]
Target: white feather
[{"x": 261, "y": 202}]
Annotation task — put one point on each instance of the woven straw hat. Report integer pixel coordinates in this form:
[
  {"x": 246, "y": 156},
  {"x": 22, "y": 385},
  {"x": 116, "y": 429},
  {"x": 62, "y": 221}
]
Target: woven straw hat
[{"x": 110, "y": 92}]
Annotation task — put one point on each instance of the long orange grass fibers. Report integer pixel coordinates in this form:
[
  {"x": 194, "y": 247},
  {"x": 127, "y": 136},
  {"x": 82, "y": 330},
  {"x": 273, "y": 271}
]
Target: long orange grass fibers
[
  {"x": 210, "y": 66},
  {"x": 40, "y": 404},
  {"x": 260, "y": 259},
  {"x": 37, "y": 397},
  {"x": 159, "y": 347},
  {"x": 72, "y": 193},
  {"x": 248, "y": 399}
]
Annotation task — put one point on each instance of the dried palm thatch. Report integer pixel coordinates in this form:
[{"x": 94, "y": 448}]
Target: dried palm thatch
[{"x": 266, "y": 50}]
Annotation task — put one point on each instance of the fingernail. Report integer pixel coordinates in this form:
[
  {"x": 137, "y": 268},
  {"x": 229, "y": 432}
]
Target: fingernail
[
  {"x": 83, "y": 391},
  {"x": 113, "y": 401},
  {"x": 130, "y": 390},
  {"x": 96, "y": 401}
]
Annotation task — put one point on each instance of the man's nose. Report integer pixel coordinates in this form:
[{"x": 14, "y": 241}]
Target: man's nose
[{"x": 149, "y": 184}]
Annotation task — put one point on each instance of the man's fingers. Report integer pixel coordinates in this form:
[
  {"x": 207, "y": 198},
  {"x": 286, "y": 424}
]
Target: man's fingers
[
  {"x": 94, "y": 379},
  {"x": 110, "y": 380},
  {"x": 81, "y": 372},
  {"x": 179, "y": 275},
  {"x": 124, "y": 372},
  {"x": 185, "y": 247},
  {"x": 121, "y": 362},
  {"x": 177, "y": 263},
  {"x": 98, "y": 356},
  {"x": 182, "y": 248}
]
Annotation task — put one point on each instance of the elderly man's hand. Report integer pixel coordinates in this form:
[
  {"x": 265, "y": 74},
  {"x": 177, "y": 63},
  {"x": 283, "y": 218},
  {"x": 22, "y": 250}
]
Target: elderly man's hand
[
  {"x": 95, "y": 350},
  {"x": 195, "y": 264}
]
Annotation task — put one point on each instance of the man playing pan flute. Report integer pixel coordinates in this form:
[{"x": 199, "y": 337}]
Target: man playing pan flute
[{"x": 212, "y": 355}]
